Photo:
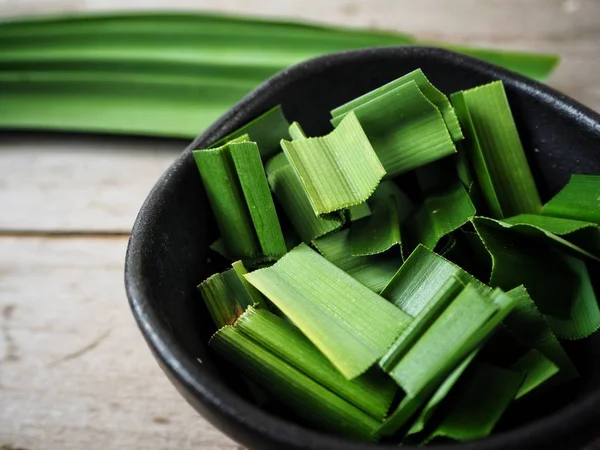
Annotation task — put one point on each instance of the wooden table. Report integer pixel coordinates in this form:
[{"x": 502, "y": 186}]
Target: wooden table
[{"x": 74, "y": 370}]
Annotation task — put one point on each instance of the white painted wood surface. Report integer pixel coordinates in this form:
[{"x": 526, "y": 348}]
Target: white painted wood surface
[{"x": 74, "y": 370}]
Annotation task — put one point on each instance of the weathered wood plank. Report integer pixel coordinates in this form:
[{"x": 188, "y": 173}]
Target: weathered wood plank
[
  {"x": 75, "y": 372},
  {"x": 90, "y": 183}
]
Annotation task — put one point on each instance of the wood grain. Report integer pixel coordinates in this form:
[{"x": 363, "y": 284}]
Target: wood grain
[
  {"x": 74, "y": 370},
  {"x": 78, "y": 183}
]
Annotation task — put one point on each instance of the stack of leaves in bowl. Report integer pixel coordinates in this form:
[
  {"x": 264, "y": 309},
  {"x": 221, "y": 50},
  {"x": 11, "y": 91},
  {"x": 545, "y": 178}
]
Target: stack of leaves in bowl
[{"x": 398, "y": 278}]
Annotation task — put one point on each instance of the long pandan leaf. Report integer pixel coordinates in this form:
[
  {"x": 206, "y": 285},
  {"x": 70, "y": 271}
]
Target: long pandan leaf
[{"x": 165, "y": 74}]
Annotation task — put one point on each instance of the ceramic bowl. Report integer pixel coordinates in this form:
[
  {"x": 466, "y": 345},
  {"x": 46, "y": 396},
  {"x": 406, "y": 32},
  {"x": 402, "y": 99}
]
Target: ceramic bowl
[{"x": 168, "y": 249}]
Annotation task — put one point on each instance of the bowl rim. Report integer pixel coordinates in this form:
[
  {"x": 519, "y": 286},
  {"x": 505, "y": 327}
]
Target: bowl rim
[{"x": 214, "y": 394}]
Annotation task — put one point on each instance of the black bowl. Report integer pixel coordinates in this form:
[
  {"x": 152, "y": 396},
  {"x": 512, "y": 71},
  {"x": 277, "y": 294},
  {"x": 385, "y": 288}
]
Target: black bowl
[{"x": 167, "y": 253}]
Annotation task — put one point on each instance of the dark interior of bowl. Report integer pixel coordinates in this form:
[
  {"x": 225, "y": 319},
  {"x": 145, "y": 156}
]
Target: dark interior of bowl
[{"x": 168, "y": 251}]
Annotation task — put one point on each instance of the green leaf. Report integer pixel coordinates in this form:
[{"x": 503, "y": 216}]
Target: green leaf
[
  {"x": 578, "y": 200},
  {"x": 257, "y": 298},
  {"x": 237, "y": 189},
  {"x": 164, "y": 74},
  {"x": 371, "y": 392},
  {"x": 442, "y": 212},
  {"x": 267, "y": 130},
  {"x": 380, "y": 231},
  {"x": 559, "y": 284},
  {"x": 422, "y": 321},
  {"x": 405, "y": 128},
  {"x": 421, "y": 277},
  {"x": 410, "y": 405},
  {"x": 350, "y": 324},
  {"x": 429, "y": 91},
  {"x": 375, "y": 271},
  {"x": 291, "y": 196},
  {"x": 228, "y": 294},
  {"x": 449, "y": 339},
  {"x": 495, "y": 149},
  {"x": 227, "y": 201},
  {"x": 307, "y": 398},
  {"x": 538, "y": 66},
  {"x": 338, "y": 170},
  {"x": 251, "y": 174},
  {"x": 581, "y": 238},
  {"x": 483, "y": 399},
  {"x": 537, "y": 369},
  {"x": 528, "y": 324},
  {"x": 506, "y": 350},
  {"x": 440, "y": 394},
  {"x": 359, "y": 211},
  {"x": 296, "y": 132}
]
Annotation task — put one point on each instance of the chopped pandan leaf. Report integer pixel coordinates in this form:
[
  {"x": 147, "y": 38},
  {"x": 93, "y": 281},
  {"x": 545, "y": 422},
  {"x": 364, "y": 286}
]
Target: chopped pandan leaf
[
  {"x": 275, "y": 163},
  {"x": 505, "y": 349},
  {"x": 421, "y": 277},
  {"x": 372, "y": 392},
  {"x": 296, "y": 132},
  {"x": 237, "y": 189},
  {"x": 463, "y": 166},
  {"x": 407, "y": 130},
  {"x": 252, "y": 178},
  {"x": 381, "y": 230},
  {"x": 288, "y": 190},
  {"x": 528, "y": 324},
  {"x": 349, "y": 323},
  {"x": 558, "y": 283},
  {"x": 484, "y": 396},
  {"x": 537, "y": 370},
  {"x": 442, "y": 212},
  {"x": 439, "y": 395},
  {"x": 462, "y": 326},
  {"x": 239, "y": 268},
  {"x": 495, "y": 150},
  {"x": 307, "y": 398},
  {"x": 218, "y": 246},
  {"x": 432, "y": 394},
  {"x": 338, "y": 170},
  {"x": 578, "y": 238},
  {"x": 375, "y": 271},
  {"x": 228, "y": 203},
  {"x": 472, "y": 155},
  {"x": 422, "y": 321},
  {"x": 578, "y": 200},
  {"x": 359, "y": 211},
  {"x": 267, "y": 130},
  {"x": 429, "y": 91},
  {"x": 227, "y": 295}
]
